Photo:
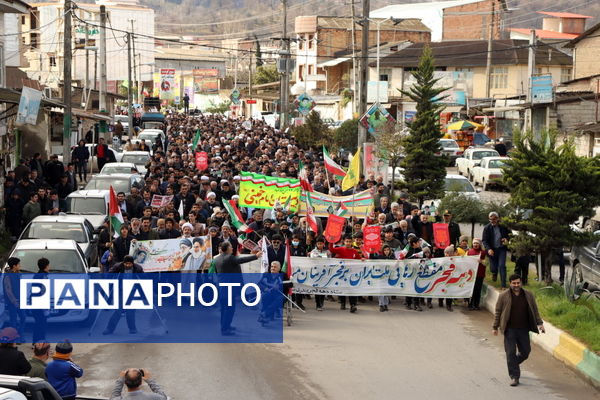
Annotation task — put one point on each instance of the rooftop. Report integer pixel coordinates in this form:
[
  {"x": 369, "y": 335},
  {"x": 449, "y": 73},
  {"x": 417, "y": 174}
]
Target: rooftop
[
  {"x": 563, "y": 14},
  {"x": 473, "y": 53},
  {"x": 545, "y": 34},
  {"x": 345, "y": 23}
]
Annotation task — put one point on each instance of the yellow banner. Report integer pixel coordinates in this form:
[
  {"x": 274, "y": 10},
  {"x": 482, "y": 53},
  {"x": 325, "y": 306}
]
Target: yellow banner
[{"x": 261, "y": 191}]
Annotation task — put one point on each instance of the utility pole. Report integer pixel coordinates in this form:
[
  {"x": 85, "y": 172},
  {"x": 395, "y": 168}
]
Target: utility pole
[
  {"x": 530, "y": 73},
  {"x": 129, "y": 97},
  {"x": 102, "y": 94},
  {"x": 67, "y": 84},
  {"x": 285, "y": 80},
  {"x": 84, "y": 94},
  {"x": 364, "y": 53},
  {"x": 250, "y": 84},
  {"x": 488, "y": 65},
  {"x": 133, "y": 55},
  {"x": 355, "y": 95}
]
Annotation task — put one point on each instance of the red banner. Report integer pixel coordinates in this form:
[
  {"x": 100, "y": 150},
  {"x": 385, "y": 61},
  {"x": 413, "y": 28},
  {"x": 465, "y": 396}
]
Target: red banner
[
  {"x": 372, "y": 238},
  {"x": 441, "y": 235},
  {"x": 335, "y": 226},
  {"x": 201, "y": 160}
]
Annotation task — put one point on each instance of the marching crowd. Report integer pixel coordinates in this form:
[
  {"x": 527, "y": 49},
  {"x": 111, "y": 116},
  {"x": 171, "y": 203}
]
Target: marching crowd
[{"x": 197, "y": 209}]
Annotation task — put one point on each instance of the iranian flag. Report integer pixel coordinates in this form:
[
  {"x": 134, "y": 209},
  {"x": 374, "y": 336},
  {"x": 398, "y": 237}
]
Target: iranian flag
[
  {"x": 303, "y": 175},
  {"x": 114, "y": 212},
  {"x": 236, "y": 217},
  {"x": 287, "y": 262},
  {"x": 331, "y": 166},
  {"x": 310, "y": 215}
]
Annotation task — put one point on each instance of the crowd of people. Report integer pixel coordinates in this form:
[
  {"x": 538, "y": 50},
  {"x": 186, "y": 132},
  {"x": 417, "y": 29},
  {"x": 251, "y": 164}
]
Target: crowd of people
[{"x": 197, "y": 209}]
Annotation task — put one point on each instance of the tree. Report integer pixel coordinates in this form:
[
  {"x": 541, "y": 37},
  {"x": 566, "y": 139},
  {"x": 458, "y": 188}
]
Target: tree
[
  {"x": 424, "y": 172},
  {"x": 390, "y": 147},
  {"x": 266, "y": 74},
  {"x": 259, "y": 59},
  {"x": 346, "y": 135},
  {"x": 218, "y": 108},
  {"x": 552, "y": 187},
  {"x": 313, "y": 133}
]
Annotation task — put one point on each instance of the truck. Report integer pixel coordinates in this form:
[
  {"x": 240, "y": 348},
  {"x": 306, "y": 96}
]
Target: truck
[
  {"x": 472, "y": 158},
  {"x": 25, "y": 388}
]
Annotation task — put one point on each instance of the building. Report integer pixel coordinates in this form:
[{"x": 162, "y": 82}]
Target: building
[
  {"x": 585, "y": 52},
  {"x": 556, "y": 26},
  {"x": 44, "y": 44},
  {"x": 454, "y": 19},
  {"x": 461, "y": 66},
  {"x": 321, "y": 39}
]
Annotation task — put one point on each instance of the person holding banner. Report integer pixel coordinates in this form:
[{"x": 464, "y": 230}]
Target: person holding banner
[
  {"x": 349, "y": 253},
  {"x": 320, "y": 252},
  {"x": 386, "y": 254},
  {"x": 415, "y": 251}
]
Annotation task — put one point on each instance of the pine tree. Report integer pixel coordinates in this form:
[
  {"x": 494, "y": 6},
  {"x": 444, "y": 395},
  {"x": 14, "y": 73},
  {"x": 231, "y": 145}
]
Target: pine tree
[
  {"x": 424, "y": 172},
  {"x": 313, "y": 132},
  {"x": 259, "y": 59},
  {"x": 552, "y": 187}
]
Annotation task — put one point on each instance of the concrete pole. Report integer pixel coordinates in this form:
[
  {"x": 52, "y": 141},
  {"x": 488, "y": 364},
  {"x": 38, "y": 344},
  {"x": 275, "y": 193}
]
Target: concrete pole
[
  {"x": 129, "y": 96},
  {"x": 67, "y": 84},
  {"x": 488, "y": 64},
  {"x": 362, "y": 132}
]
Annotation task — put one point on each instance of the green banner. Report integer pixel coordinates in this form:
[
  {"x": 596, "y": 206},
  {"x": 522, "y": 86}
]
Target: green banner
[{"x": 261, "y": 191}]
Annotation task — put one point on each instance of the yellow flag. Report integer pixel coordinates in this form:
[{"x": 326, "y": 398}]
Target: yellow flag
[{"x": 353, "y": 176}]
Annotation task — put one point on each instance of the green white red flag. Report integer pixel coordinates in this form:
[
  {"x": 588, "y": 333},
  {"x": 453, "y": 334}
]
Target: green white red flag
[
  {"x": 331, "y": 166},
  {"x": 114, "y": 212},
  {"x": 303, "y": 176},
  {"x": 236, "y": 216},
  {"x": 310, "y": 215},
  {"x": 287, "y": 262}
]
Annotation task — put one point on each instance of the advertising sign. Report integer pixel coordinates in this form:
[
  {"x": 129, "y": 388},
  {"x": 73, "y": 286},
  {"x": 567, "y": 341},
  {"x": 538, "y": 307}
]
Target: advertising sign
[
  {"x": 167, "y": 84},
  {"x": 541, "y": 89},
  {"x": 29, "y": 106}
]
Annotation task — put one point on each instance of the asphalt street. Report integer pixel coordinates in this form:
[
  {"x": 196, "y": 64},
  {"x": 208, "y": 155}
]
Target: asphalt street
[{"x": 333, "y": 354}]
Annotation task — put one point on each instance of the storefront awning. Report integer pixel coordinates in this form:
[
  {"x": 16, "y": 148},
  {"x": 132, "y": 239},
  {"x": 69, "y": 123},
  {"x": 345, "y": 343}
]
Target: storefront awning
[
  {"x": 334, "y": 62},
  {"x": 502, "y": 109}
]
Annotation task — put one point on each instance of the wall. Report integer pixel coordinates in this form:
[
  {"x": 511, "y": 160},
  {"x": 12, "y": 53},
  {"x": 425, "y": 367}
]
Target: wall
[
  {"x": 585, "y": 56},
  {"x": 471, "y": 21}
]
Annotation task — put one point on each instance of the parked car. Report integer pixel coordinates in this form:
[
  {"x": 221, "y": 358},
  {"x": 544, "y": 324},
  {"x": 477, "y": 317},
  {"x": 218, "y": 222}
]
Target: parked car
[
  {"x": 64, "y": 255},
  {"x": 489, "y": 172},
  {"x": 119, "y": 168},
  {"x": 67, "y": 227},
  {"x": 90, "y": 204},
  {"x": 139, "y": 158},
  {"x": 455, "y": 184},
  {"x": 119, "y": 182},
  {"x": 450, "y": 149},
  {"x": 585, "y": 261},
  {"x": 150, "y": 135},
  {"x": 471, "y": 158}
]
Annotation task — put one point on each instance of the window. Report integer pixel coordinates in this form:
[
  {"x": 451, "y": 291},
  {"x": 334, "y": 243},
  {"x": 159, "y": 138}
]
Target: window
[
  {"x": 300, "y": 42},
  {"x": 301, "y": 72},
  {"x": 565, "y": 74},
  {"x": 52, "y": 60},
  {"x": 310, "y": 69},
  {"x": 539, "y": 70},
  {"x": 499, "y": 78},
  {"x": 385, "y": 75},
  {"x": 310, "y": 41}
]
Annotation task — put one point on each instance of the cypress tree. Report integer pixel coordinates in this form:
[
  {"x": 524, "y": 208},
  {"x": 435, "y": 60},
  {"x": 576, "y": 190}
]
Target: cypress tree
[
  {"x": 552, "y": 187},
  {"x": 424, "y": 172}
]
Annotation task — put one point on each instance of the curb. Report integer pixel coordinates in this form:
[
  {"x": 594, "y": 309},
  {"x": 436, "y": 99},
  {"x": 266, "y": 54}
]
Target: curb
[{"x": 558, "y": 343}]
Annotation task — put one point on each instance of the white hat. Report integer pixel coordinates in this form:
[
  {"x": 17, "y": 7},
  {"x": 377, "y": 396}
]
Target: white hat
[
  {"x": 237, "y": 177},
  {"x": 205, "y": 178},
  {"x": 211, "y": 194},
  {"x": 224, "y": 181},
  {"x": 235, "y": 197},
  {"x": 187, "y": 225}
]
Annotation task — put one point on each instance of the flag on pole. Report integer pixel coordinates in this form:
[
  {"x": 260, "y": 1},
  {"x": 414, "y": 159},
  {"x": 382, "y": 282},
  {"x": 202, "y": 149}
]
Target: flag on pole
[
  {"x": 236, "y": 216},
  {"x": 353, "y": 176},
  {"x": 264, "y": 262},
  {"x": 114, "y": 212},
  {"x": 196, "y": 140},
  {"x": 331, "y": 166},
  {"x": 303, "y": 176},
  {"x": 286, "y": 205},
  {"x": 342, "y": 210},
  {"x": 287, "y": 262},
  {"x": 310, "y": 215}
]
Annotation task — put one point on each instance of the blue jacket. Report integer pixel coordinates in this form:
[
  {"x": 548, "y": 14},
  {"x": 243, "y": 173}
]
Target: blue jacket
[{"x": 62, "y": 374}]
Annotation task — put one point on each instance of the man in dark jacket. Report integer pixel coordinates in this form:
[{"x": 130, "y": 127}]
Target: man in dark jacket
[
  {"x": 495, "y": 240},
  {"x": 453, "y": 228},
  {"x": 121, "y": 244},
  {"x": 102, "y": 152},
  {"x": 12, "y": 360},
  {"x": 125, "y": 267},
  {"x": 227, "y": 263},
  {"x": 515, "y": 316}
]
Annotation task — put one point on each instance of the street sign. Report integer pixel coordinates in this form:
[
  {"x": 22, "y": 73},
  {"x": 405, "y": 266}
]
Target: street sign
[{"x": 251, "y": 101}]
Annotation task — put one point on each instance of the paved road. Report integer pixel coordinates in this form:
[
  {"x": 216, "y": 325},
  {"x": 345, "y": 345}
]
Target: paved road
[{"x": 336, "y": 355}]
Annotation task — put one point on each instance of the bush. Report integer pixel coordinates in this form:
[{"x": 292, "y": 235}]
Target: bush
[{"x": 346, "y": 135}]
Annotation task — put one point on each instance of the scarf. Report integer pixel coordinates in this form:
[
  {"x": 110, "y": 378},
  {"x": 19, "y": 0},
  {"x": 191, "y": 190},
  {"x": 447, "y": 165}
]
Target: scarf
[{"x": 61, "y": 356}]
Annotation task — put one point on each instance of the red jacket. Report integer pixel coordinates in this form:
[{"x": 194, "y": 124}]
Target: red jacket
[
  {"x": 481, "y": 266},
  {"x": 344, "y": 252}
]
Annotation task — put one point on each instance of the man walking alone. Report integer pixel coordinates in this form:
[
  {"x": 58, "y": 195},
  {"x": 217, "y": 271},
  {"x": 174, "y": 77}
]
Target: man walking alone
[{"x": 516, "y": 314}]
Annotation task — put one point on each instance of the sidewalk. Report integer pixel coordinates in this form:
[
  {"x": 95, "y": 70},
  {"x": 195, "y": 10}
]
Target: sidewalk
[{"x": 558, "y": 343}]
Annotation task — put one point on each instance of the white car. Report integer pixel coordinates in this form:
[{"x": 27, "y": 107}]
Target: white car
[
  {"x": 91, "y": 204},
  {"x": 471, "y": 158},
  {"x": 93, "y": 161},
  {"x": 119, "y": 182},
  {"x": 139, "y": 158},
  {"x": 119, "y": 168},
  {"x": 489, "y": 172},
  {"x": 150, "y": 135},
  {"x": 454, "y": 184}
]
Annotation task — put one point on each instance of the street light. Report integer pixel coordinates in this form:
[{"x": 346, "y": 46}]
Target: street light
[{"x": 378, "y": 22}]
